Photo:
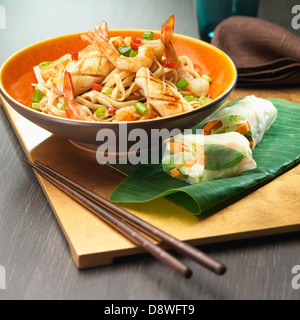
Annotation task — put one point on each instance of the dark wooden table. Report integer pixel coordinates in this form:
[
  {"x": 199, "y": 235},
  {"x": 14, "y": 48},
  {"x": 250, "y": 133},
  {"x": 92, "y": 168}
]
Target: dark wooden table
[{"x": 33, "y": 249}]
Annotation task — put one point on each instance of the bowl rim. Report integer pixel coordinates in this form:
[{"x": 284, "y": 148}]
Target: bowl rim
[{"x": 217, "y": 100}]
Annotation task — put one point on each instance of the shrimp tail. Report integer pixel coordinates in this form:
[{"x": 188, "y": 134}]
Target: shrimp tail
[
  {"x": 166, "y": 35},
  {"x": 73, "y": 110},
  {"x": 97, "y": 36},
  {"x": 167, "y": 30},
  {"x": 103, "y": 30}
]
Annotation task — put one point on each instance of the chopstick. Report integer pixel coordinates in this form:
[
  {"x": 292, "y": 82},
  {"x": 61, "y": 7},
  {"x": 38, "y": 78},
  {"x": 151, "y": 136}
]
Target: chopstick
[
  {"x": 117, "y": 224},
  {"x": 182, "y": 247},
  {"x": 117, "y": 217}
]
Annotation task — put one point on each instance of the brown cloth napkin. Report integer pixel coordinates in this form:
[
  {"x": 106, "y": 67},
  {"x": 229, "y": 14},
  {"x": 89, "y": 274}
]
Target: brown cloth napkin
[{"x": 264, "y": 53}]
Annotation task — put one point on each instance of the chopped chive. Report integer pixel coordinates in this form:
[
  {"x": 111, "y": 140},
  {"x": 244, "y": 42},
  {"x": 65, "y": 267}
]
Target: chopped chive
[
  {"x": 141, "y": 108},
  {"x": 107, "y": 90},
  {"x": 148, "y": 35},
  {"x": 38, "y": 95},
  {"x": 61, "y": 106},
  {"x": 182, "y": 84},
  {"x": 124, "y": 51},
  {"x": 35, "y": 106},
  {"x": 206, "y": 77},
  {"x": 204, "y": 100},
  {"x": 133, "y": 53},
  {"x": 100, "y": 112},
  {"x": 190, "y": 98},
  {"x": 44, "y": 64}
]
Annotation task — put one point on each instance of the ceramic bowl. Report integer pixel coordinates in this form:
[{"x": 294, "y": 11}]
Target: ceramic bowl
[{"x": 17, "y": 76}]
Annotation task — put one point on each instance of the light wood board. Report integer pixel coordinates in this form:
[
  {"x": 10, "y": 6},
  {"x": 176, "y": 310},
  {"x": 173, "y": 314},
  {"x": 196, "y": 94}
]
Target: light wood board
[{"x": 272, "y": 209}]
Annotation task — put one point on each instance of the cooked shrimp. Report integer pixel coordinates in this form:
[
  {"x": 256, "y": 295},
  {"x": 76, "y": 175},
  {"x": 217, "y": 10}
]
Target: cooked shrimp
[
  {"x": 92, "y": 66},
  {"x": 145, "y": 57},
  {"x": 197, "y": 86},
  {"x": 163, "y": 97},
  {"x": 126, "y": 114},
  {"x": 92, "y": 62},
  {"x": 73, "y": 109},
  {"x": 56, "y": 66}
]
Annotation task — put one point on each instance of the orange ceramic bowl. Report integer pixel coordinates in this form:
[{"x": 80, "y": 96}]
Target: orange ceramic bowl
[{"x": 17, "y": 76}]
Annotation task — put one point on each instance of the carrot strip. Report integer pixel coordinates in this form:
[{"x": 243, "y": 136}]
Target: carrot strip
[
  {"x": 209, "y": 126},
  {"x": 251, "y": 144},
  {"x": 175, "y": 173},
  {"x": 178, "y": 147},
  {"x": 200, "y": 151},
  {"x": 243, "y": 128},
  {"x": 189, "y": 164}
]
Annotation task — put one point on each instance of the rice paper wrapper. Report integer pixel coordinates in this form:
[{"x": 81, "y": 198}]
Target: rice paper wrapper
[
  {"x": 258, "y": 112},
  {"x": 196, "y": 158},
  {"x": 278, "y": 152}
]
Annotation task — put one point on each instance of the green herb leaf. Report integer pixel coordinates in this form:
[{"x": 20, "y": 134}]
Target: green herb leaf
[{"x": 227, "y": 157}]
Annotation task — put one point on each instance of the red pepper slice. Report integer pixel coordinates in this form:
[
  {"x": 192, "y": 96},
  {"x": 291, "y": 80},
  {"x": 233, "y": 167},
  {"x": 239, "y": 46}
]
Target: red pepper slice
[
  {"x": 74, "y": 56},
  {"x": 111, "y": 111},
  {"x": 135, "y": 43},
  {"x": 170, "y": 64},
  {"x": 97, "y": 86}
]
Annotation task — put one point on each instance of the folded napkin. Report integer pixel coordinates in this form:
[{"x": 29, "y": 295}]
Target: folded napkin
[{"x": 264, "y": 53}]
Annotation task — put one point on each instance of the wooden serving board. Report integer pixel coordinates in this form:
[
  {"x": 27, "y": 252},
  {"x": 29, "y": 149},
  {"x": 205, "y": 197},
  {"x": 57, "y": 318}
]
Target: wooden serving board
[{"x": 271, "y": 209}]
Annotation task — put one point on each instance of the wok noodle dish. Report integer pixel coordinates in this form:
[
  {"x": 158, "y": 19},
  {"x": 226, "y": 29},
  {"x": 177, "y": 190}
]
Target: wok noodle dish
[{"x": 120, "y": 79}]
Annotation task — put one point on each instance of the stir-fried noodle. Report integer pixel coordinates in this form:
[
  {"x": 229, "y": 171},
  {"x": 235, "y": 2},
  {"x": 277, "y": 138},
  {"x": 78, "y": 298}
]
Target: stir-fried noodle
[{"x": 110, "y": 85}]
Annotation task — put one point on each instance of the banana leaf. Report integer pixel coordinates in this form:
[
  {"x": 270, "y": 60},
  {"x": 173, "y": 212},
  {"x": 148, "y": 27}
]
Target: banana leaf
[{"x": 278, "y": 151}]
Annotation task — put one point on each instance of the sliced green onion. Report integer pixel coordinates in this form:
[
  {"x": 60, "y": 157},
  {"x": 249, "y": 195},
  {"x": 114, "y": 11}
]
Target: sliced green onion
[
  {"x": 38, "y": 95},
  {"x": 35, "y": 106},
  {"x": 107, "y": 90},
  {"x": 141, "y": 108},
  {"x": 206, "y": 77},
  {"x": 148, "y": 35},
  {"x": 204, "y": 100},
  {"x": 100, "y": 112},
  {"x": 125, "y": 51},
  {"x": 233, "y": 118},
  {"x": 133, "y": 53},
  {"x": 61, "y": 106},
  {"x": 44, "y": 64},
  {"x": 182, "y": 84},
  {"x": 190, "y": 98}
]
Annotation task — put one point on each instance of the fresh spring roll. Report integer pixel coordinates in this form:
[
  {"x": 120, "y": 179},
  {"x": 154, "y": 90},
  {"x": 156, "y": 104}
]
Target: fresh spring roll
[
  {"x": 197, "y": 158},
  {"x": 251, "y": 117}
]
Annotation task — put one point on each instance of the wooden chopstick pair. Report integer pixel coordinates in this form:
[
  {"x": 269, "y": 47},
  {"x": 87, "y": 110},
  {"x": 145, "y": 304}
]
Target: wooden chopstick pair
[{"x": 122, "y": 221}]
